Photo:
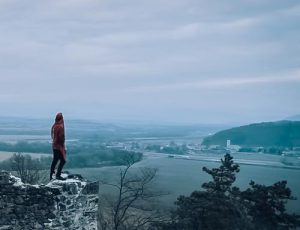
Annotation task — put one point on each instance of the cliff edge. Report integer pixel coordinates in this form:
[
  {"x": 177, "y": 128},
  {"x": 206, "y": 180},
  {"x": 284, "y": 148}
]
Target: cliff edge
[{"x": 70, "y": 204}]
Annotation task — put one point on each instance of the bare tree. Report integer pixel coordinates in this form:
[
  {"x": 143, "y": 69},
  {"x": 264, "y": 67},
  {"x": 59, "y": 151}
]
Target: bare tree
[
  {"x": 26, "y": 168},
  {"x": 128, "y": 204}
]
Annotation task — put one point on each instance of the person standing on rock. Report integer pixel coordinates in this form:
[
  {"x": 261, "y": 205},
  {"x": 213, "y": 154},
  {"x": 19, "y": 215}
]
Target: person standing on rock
[{"x": 58, "y": 146}]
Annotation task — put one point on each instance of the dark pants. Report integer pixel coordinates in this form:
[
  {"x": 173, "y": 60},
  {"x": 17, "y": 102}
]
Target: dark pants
[{"x": 57, "y": 156}]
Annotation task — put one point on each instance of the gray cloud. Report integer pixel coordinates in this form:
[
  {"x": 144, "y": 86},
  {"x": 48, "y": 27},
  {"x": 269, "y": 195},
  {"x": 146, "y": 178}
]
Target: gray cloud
[{"x": 150, "y": 59}]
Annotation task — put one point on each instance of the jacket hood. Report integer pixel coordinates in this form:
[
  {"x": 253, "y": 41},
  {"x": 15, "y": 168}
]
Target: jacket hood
[{"x": 59, "y": 118}]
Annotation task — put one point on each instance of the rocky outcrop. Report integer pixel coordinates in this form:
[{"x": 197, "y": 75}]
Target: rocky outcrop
[{"x": 70, "y": 204}]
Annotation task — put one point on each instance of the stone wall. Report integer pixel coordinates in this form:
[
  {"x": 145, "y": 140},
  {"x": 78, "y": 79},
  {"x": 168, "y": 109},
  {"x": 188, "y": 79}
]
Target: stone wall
[{"x": 70, "y": 204}]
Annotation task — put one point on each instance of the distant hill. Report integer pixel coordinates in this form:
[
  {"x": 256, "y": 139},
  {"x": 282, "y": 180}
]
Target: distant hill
[
  {"x": 85, "y": 129},
  {"x": 293, "y": 118},
  {"x": 267, "y": 134}
]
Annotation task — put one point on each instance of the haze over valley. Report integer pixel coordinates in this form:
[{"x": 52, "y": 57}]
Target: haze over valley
[{"x": 94, "y": 150}]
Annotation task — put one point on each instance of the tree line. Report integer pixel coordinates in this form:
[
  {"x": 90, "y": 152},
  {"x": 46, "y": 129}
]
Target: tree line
[{"x": 33, "y": 169}]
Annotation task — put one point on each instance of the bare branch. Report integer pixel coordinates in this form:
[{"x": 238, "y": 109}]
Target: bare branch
[{"x": 129, "y": 210}]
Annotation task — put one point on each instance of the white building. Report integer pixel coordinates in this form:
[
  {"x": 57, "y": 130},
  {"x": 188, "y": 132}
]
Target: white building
[
  {"x": 232, "y": 148},
  {"x": 228, "y": 143}
]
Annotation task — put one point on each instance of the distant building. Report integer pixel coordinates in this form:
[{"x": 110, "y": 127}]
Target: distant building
[
  {"x": 116, "y": 145},
  {"x": 228, "y": 143},
  {"x": 232, "y": 148}
]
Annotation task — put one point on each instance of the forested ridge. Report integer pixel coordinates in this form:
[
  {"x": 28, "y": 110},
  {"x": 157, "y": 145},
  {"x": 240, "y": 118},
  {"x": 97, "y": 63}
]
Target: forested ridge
[{"x": 266, "y": 134}]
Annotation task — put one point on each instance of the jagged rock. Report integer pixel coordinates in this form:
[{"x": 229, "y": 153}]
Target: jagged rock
[{"x": 70, "y": 204}]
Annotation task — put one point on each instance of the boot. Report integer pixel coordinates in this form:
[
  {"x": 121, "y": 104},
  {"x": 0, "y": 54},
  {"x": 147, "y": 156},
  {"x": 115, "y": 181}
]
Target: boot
[
  {"x": 51, "y": 175},
  {"x": 60, "y": 178}
]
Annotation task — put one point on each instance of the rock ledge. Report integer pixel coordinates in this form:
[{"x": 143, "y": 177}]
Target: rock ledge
[{"x": 70, "y": 204}]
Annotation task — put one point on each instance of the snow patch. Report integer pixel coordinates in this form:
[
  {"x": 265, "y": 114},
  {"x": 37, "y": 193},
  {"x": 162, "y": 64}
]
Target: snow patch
[{"x": 16, "y": 181}]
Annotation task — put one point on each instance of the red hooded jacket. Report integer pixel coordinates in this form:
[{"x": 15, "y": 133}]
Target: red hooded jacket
[{"x": 58, "y": 134}]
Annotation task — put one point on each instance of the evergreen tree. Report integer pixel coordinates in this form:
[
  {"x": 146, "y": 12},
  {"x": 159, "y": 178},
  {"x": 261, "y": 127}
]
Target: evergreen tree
[
  {"x": 223, "y": 177},
  {"x": 266, "y": 206},
  {"x": 222, "y": 206}
]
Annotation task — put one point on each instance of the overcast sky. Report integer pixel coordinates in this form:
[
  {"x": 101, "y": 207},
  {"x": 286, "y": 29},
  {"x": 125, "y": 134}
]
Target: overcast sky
[{"x": 197, "y": 61}]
